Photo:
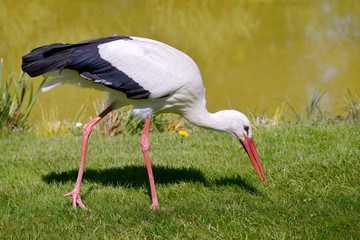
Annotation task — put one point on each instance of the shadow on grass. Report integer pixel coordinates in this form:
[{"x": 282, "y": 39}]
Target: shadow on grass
[
  {"x": 238, "y": 181},
  {"x": 136, "y": 176}
]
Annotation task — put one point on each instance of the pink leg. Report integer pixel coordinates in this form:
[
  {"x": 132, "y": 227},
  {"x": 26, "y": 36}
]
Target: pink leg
[
  {"x": 145, "y": 148},
  {"x": 87, "y": 130}
]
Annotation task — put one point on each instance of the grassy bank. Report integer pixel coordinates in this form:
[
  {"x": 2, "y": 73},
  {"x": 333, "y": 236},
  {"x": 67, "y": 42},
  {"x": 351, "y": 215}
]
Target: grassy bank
[{"x": 206, "y": 186}]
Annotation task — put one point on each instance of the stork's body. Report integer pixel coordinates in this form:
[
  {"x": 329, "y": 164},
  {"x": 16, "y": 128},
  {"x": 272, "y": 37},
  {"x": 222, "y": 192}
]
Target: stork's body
[{"x": 150, "y": 75}]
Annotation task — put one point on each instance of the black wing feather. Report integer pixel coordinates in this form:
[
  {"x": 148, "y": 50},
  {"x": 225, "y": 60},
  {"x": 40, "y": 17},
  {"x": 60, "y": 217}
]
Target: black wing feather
[{"x": 84, "y": 58}]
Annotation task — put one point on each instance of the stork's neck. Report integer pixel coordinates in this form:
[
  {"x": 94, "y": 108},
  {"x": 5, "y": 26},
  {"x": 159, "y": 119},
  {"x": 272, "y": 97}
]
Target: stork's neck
[{"x": 201, "y": 117}]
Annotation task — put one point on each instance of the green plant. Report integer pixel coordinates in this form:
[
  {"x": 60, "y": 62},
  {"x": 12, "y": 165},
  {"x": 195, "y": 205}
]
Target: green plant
[
  {"x": 262, "y": 118},
  {"x": 51, "y": 125},
  {"x": 259, "y": 118},
  {"x": 298, "y": 116},
  {"x": 352, "y": 107},
  {"x": 313, "y": 112},
  {"x": 121, "y": 121},
  {"x": 13, "y": 113}
]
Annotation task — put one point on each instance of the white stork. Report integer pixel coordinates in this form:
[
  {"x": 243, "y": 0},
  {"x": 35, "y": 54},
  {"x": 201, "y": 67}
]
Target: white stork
[{"x": 150, "y": 75}]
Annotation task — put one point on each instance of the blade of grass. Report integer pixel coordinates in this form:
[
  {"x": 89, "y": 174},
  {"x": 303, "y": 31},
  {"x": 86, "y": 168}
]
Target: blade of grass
[
  {"x": 314, "y": 106},
  {"x": 15, "y": 101},
  {"x": 352, "y": 106},
  {"x": 228, "y": 100},
  {"x": 31, "y": 103},
  {"x": 292, "y": 107},
  {"x": 24, "y": 88},
  {"x": 1, "y": 72},
  {"x": 7, "y": 99}
]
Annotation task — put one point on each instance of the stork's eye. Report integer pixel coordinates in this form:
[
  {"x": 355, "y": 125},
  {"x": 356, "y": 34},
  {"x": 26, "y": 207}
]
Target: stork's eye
[{"x": 246, "y": 128}]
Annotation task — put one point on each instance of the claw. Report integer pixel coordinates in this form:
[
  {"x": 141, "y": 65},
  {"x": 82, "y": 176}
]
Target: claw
[
  {"x": 76, "y": 199},
  {"x": 155, "y": 206}
]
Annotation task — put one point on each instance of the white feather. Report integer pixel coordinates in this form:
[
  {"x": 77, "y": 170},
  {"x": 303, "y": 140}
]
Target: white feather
[
  {"x": 50, "y": 84},
  {"x": 143, "y": 112},
  {"x": 155, "y": 66},
  {"x": 68, "y": 76}
]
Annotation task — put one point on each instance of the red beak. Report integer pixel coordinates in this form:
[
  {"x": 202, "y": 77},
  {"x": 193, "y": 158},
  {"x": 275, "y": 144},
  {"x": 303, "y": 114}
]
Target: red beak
[{"x": 250, "y": 149}]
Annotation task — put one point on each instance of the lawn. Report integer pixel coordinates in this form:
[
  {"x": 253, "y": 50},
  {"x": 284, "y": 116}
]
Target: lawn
[{"x": 206, "y": 186}]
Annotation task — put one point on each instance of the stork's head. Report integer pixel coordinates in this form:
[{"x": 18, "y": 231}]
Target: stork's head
[{"x": 238, "y": 125}]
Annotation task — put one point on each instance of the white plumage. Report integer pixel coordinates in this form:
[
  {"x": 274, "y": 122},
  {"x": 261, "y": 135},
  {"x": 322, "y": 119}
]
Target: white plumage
[{"x": 150, "y": 75}]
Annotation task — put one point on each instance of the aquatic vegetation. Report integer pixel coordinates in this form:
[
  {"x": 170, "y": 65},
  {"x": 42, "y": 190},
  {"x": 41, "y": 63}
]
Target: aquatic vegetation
[
  {"x": 121, "y": 121},
  {"x": 352, "y": 106},
  {"x": 313, "y": 112},
  {"x": 294, "y": 111},
  {"x": 18, "y": 97},
  {"x": 14, "y": 108}
]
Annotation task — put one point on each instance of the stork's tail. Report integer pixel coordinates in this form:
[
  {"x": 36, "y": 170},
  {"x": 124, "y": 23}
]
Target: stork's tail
[
  {"x": 44, "y": 59},
  {"x": 59, "y": 55}
]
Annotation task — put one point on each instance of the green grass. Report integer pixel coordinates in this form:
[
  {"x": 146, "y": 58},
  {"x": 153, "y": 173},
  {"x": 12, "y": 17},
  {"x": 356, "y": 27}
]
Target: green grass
[{"x": 206, "y": 186}]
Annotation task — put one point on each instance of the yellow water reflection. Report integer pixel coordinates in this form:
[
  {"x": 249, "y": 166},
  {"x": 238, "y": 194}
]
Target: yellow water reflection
[{"x": 254, "y": 52}]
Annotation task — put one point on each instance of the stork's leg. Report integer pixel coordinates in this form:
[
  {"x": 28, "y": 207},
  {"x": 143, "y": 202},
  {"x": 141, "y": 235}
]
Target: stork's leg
[
  {"x": 87, "y": 130},
  {"x": 145, "y": 148}
]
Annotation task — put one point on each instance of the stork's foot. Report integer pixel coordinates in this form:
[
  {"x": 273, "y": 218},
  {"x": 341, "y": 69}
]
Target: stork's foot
[
  {"x": 76, "y": 199},
  {"x": 155, "y": 206}
]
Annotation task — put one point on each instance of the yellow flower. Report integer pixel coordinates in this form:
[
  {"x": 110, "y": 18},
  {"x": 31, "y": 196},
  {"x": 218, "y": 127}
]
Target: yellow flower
[{"x": 183, "y": 132}]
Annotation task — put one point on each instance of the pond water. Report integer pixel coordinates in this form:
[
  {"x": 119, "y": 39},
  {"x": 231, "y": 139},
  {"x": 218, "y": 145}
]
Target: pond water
[{"x": 252, "y": 53}]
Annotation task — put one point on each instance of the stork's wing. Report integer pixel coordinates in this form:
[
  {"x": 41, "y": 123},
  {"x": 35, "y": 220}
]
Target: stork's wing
[{"x": 141, "y": 68}]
